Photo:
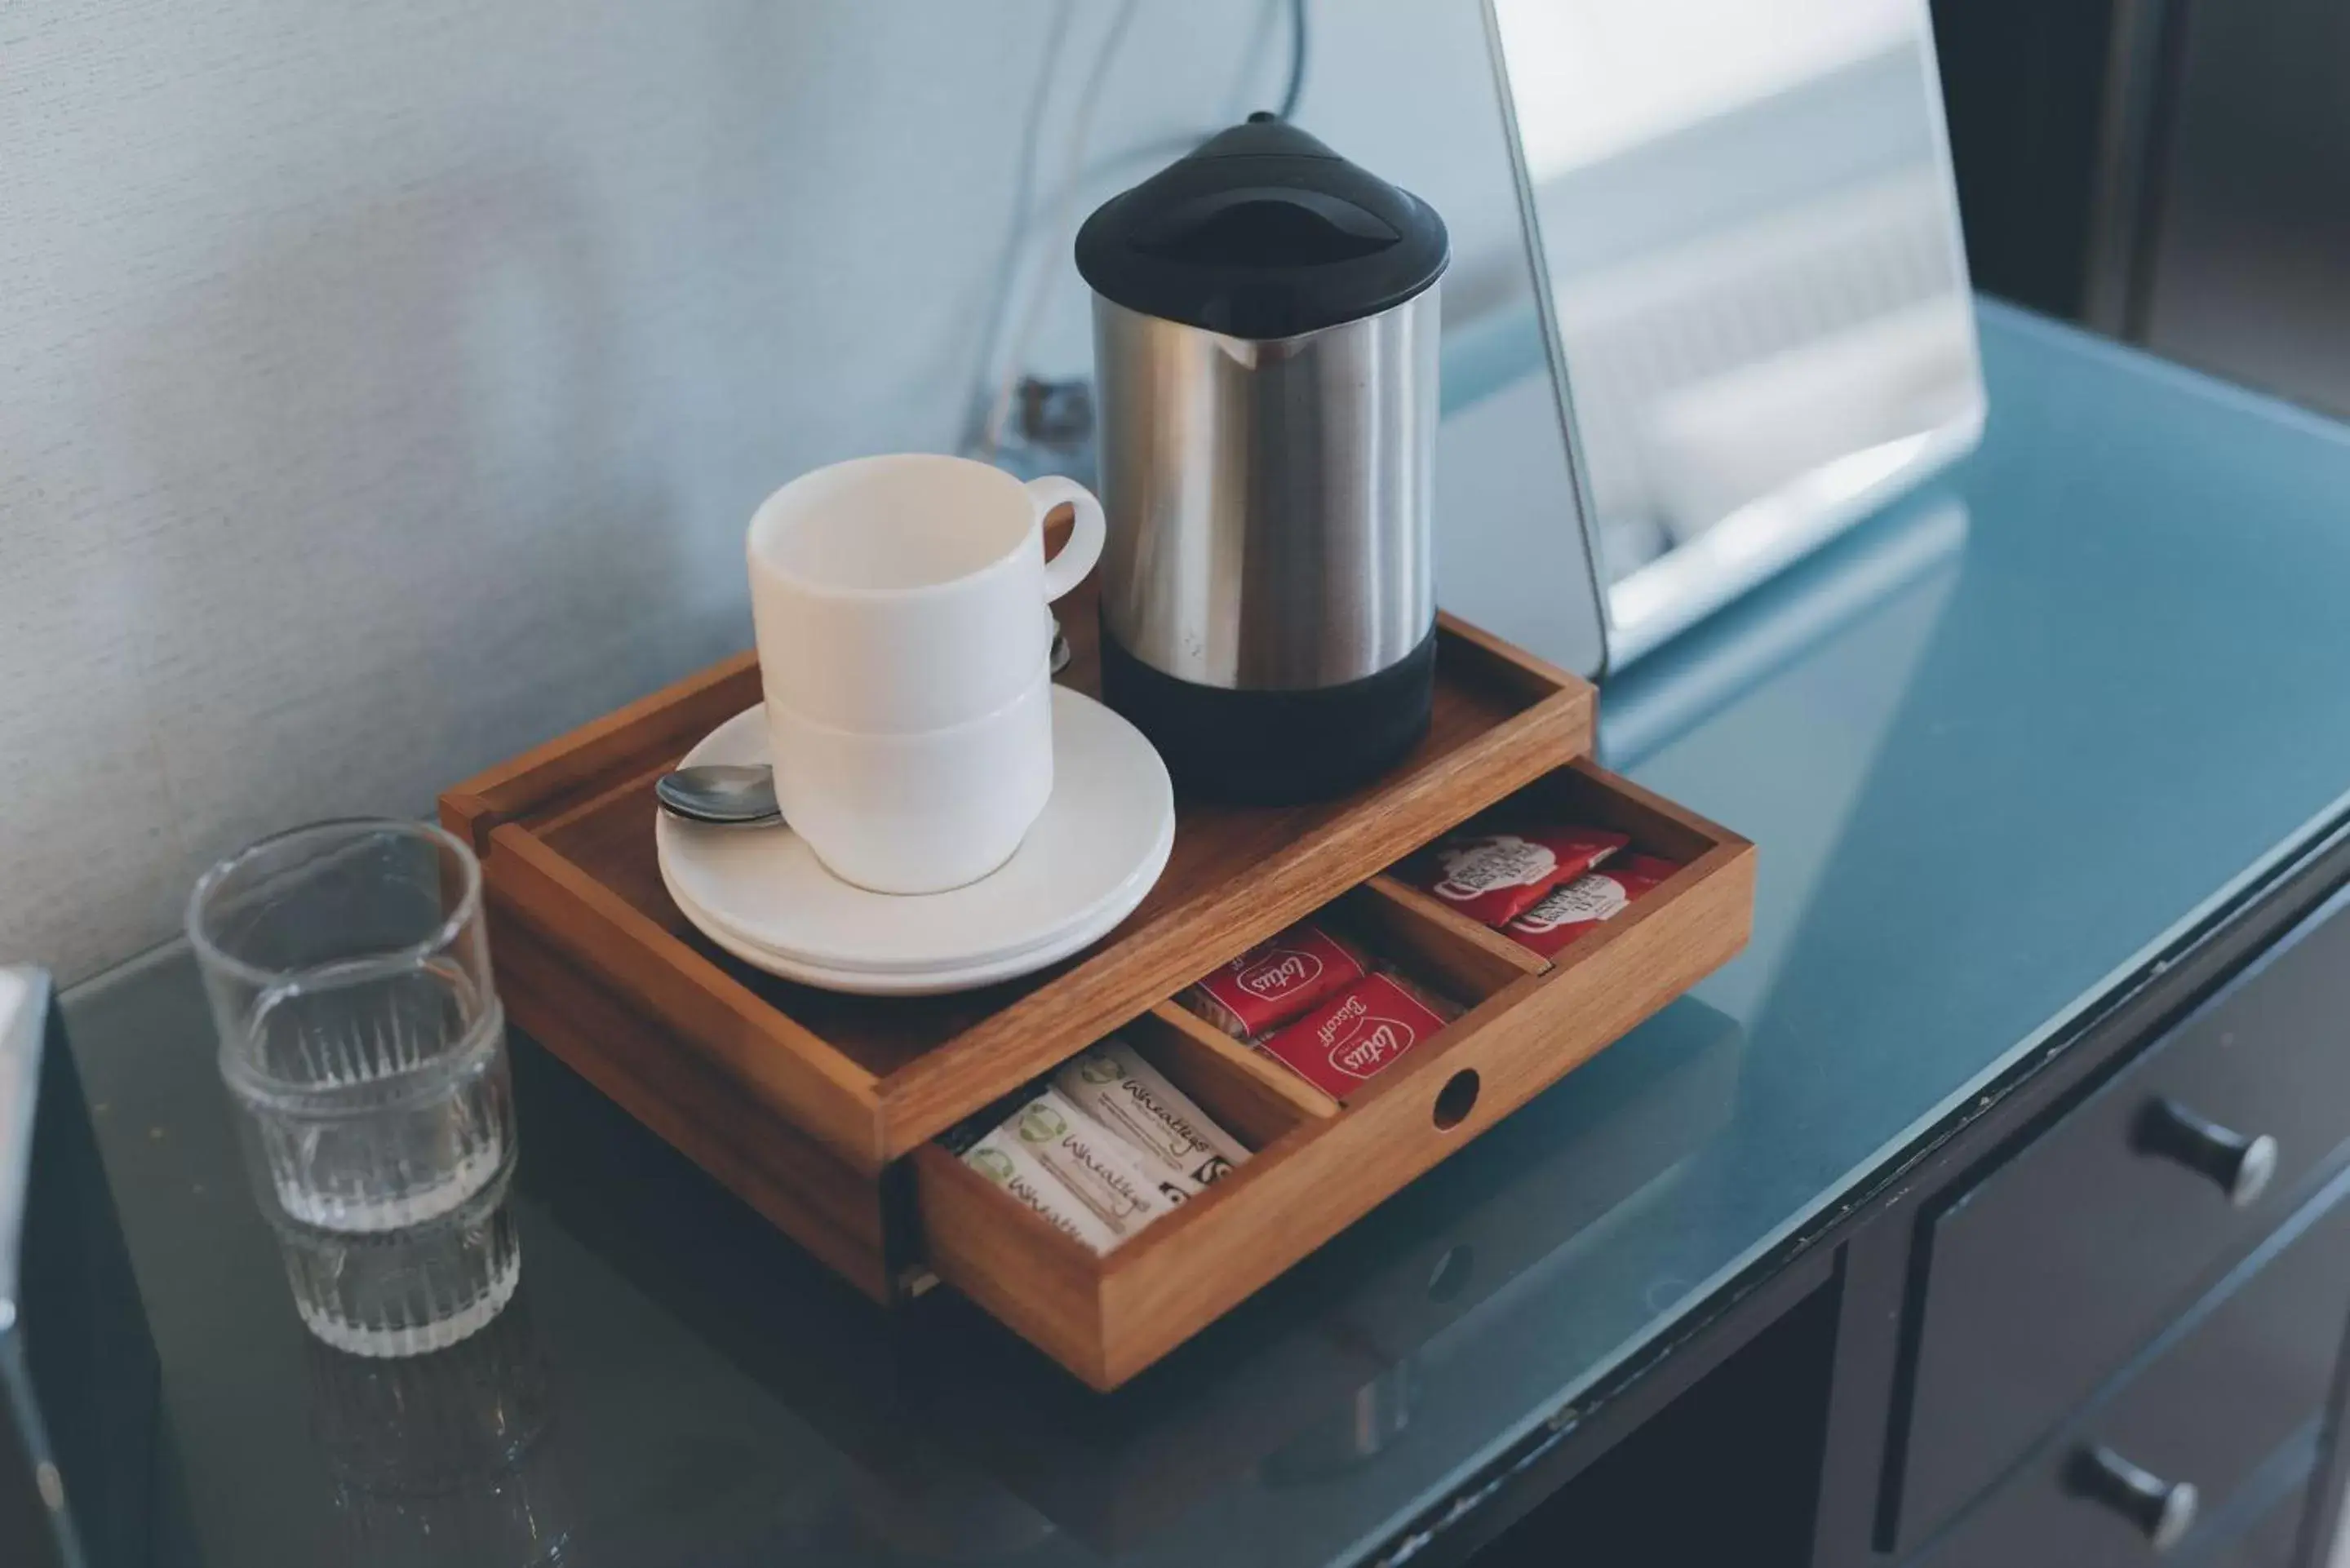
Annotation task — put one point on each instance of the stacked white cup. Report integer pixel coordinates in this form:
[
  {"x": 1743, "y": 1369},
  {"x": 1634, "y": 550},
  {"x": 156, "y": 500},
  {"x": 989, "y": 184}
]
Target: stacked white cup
[{"x": 904, "y": 655}]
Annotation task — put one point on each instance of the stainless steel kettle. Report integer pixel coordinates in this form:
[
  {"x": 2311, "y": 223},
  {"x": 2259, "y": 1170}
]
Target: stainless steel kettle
[{"x": 1265, "y": 356}]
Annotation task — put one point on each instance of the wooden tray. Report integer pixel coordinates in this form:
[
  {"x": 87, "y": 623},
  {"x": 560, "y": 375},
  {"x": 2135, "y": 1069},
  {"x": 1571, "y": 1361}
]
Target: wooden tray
[
  {"x": 567, "y": 832},
  {"x": 808, "y": 1104}
]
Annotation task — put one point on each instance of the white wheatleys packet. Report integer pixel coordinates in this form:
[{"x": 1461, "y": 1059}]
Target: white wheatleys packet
[
  {"x": 1113, "y": 1181},
  {"x": 1113, "y": 1084},
  {"x": 1004, "y": 1159}
]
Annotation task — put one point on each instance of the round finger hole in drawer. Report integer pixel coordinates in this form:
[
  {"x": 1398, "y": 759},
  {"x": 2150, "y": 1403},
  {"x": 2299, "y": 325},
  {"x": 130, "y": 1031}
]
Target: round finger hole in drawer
[{"x": 1456, "y": 1099}]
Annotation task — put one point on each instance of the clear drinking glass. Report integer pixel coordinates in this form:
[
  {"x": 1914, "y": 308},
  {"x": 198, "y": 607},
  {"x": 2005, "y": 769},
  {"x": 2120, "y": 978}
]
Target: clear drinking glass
[{"x": 348, "y": 971}]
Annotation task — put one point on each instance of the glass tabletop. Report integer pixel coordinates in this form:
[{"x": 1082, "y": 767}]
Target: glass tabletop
[{"x": 1998, "y": 746}]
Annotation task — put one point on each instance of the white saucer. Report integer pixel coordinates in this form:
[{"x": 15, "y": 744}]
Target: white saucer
[
  {"x": 1100, "y": 847},
  {"x": 878, "y": 982}
]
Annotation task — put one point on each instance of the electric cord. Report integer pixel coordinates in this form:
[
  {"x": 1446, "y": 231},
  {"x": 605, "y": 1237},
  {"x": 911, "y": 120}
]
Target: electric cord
[
  {"x": 1079, "y": 177},
  {"x": 999, "y": 411},
  {"x": 1024, "y": 201},
  {"x": 1294, "y": 88}
]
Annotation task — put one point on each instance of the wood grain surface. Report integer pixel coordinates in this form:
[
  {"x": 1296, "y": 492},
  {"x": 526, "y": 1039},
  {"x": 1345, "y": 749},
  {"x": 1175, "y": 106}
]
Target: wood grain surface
[
  {"x": 770, "y": 1057},
  {"x": 1286, "y": 1098},
  {"x": 829, "y": 1206}
]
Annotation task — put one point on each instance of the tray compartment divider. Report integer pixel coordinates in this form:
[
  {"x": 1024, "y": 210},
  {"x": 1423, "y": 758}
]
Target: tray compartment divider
[{"x": 1253, "y": 1096}]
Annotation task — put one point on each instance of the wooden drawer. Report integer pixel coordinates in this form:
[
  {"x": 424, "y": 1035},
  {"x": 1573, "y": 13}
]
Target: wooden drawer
[
  {"x": 2047, "y": 1274},
  {"x": 2234, "y": 1392},
  {"x": 1319, "y": 1166}
]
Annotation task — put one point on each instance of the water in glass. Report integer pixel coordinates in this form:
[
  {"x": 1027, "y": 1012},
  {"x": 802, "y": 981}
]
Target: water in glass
[{"x": 350, "y": 978}]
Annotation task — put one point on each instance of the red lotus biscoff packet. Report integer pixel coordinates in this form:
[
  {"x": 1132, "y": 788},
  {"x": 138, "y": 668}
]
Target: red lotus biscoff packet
[
  {"x": 1566, "y": 912},
  {"x": 1345, "y": 1040},
  {"x": 1494, "y": 875},
  {"x": 1275, "y": 980}
]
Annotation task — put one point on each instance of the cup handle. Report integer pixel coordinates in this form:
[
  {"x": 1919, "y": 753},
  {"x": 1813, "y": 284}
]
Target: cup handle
[{"x": 1067, "y": 569}]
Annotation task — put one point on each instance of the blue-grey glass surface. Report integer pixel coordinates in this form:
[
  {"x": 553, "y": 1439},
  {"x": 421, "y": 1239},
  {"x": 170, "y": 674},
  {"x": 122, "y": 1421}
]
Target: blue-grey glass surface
[
  {"x": 1752, "y": 269},
  {"x": 1996, "y": 746}
]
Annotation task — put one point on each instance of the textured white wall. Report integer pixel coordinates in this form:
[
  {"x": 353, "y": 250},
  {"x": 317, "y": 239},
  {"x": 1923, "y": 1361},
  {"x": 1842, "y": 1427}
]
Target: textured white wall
[{"x": 384, "y": 389}]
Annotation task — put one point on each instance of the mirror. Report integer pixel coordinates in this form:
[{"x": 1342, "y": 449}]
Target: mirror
[{"x": 1755, "y": 296}]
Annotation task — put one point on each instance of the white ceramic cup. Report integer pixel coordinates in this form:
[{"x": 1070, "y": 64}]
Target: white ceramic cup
[
  {"x": 900, "y": 594},
  {"x": 918, "y": 812}
]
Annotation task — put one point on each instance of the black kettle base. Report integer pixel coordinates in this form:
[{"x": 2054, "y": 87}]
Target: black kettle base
[{"x": 1275, "y": 748}]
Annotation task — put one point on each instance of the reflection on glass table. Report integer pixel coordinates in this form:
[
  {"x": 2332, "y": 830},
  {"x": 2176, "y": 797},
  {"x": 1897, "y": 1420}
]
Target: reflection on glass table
[
  {"x": 443, "y": 1458},
  {"x": 969, "y": 1447},
  {"x": 676, "y": 1382},
  {"x": 1758, "y": 297}
]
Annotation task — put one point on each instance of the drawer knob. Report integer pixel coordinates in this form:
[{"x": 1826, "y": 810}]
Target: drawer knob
[
  {"x": 2162, "y": 1510},
  {"x": 2240, "y": 1164}
]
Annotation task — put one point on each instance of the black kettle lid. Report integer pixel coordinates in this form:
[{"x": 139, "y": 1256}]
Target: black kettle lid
[{"x": 1263, "y": 232}]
